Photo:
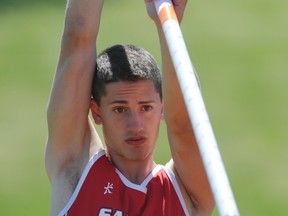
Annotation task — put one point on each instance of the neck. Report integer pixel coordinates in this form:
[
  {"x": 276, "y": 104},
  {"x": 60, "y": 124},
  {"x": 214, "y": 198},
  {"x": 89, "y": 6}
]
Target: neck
[{"x": 134, "y": 170}]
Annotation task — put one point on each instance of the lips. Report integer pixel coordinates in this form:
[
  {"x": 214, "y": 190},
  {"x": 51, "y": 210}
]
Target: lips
[{"x": 136, "y": 140}]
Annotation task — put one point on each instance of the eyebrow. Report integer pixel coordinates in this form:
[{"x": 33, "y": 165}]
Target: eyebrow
[
  {"x": 118, "y": 102},
  {"x": 126, "y": 102}
]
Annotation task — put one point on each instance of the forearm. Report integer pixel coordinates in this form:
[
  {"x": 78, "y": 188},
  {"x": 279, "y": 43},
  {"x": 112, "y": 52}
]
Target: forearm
[
  {"x": 83, "y": 18},
  {"x": 78, "y": 52},
  {"x": 82, "y": 21}
]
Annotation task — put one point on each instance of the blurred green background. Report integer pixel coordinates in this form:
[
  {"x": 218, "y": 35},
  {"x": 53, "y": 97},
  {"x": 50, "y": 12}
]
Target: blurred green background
[{"x": 240, "y": 50}]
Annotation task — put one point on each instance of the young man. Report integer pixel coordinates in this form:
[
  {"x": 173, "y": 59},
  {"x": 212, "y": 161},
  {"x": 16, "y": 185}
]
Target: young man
[{"x": 123, "y": 179}]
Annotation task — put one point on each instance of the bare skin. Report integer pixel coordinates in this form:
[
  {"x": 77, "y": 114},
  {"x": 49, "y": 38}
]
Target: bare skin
[
  {"x": 72, "y": 138},
  {"x": 130, "y": 114}
]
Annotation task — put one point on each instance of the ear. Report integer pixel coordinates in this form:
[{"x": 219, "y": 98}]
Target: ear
[
  {"x": 162, "y": 111},
  {"x": 95, "y": 110}
]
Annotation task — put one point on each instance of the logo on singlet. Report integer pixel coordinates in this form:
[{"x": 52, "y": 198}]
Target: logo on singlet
[
  {"x": 109, "y": 212},
  {"x": 108, "y": 188}
]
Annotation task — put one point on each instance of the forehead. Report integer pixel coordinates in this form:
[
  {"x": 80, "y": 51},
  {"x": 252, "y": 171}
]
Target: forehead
[{"x": 143, "y": 90}]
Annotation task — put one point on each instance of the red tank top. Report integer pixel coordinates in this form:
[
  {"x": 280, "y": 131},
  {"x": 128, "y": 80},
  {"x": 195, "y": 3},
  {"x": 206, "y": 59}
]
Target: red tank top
[{"x": 103, "y": 190}]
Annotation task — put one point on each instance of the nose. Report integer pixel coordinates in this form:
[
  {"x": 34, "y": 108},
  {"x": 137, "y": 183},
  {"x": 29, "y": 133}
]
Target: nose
[{"x": 134, "y": 122}]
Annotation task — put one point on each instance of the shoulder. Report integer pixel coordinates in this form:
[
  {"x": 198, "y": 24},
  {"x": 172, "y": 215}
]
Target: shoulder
[
  {"x": 175, "y": 179},
  {"x": 196, "y": 205},
  {"x": 68, "y": 180},
  {"x": 78, "y": 170},
  {"x": 72, "y": 157}
]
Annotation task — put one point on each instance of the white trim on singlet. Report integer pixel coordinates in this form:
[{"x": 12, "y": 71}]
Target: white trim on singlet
[
  {"x": 142, "y": 186},
  {"x": 172, "y": 178},
  {"x": 81, "y": 181}
]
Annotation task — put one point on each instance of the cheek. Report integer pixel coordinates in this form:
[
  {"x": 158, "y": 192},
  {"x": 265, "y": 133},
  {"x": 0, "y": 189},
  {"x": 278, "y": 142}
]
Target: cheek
[
  {"x": 111, "y": 129},
  {"x": 109, "y": 135},
  {"x": 153, "y": 125}
]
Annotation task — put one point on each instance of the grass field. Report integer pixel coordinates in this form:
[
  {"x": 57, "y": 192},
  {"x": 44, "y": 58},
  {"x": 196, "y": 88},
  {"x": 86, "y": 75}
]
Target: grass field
[{"x": 240, "y": 50}]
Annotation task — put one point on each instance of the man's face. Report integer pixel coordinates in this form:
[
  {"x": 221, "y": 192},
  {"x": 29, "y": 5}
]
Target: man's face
[{"x": 130, "y": 114}]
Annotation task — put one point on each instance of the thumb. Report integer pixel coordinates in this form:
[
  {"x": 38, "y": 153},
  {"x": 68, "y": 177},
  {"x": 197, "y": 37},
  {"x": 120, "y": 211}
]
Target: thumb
[{"x": 151, "y": 10}]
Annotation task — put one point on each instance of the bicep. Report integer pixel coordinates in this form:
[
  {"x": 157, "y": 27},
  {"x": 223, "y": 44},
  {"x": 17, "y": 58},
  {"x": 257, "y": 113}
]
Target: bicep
[
  {"x": 68, "y": 107},
  {"x": 70, "y": 96}
]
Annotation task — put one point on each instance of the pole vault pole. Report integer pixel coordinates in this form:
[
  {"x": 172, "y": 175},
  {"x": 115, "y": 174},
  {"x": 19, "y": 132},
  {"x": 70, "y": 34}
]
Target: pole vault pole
[{"x": 207, "y": 144}]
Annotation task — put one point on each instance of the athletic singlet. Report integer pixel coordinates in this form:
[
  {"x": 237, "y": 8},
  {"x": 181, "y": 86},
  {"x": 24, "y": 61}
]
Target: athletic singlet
[{"x": 104, "y": 190}]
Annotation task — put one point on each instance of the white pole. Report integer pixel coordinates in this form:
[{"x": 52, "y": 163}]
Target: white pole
[{"x": 207, "y": 144}]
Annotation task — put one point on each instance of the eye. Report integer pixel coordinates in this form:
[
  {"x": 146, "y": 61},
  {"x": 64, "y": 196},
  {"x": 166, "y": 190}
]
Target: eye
[
  {"x": 119, "y": 109},
  {"x": 146, "y": 108}
]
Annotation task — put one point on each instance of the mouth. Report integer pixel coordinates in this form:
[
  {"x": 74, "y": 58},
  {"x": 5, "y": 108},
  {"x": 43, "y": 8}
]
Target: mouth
[{"x": 136, "y": 140}]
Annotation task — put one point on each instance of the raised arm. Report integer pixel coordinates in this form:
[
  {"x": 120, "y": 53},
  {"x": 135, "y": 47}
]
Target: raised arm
[
  {"x": 186, "y": 162},
  {"x": 71, "y": 136}
]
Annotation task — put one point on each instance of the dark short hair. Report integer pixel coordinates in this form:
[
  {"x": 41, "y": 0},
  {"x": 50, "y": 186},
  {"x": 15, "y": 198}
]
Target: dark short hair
[{"x": 124, "y": 63}]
